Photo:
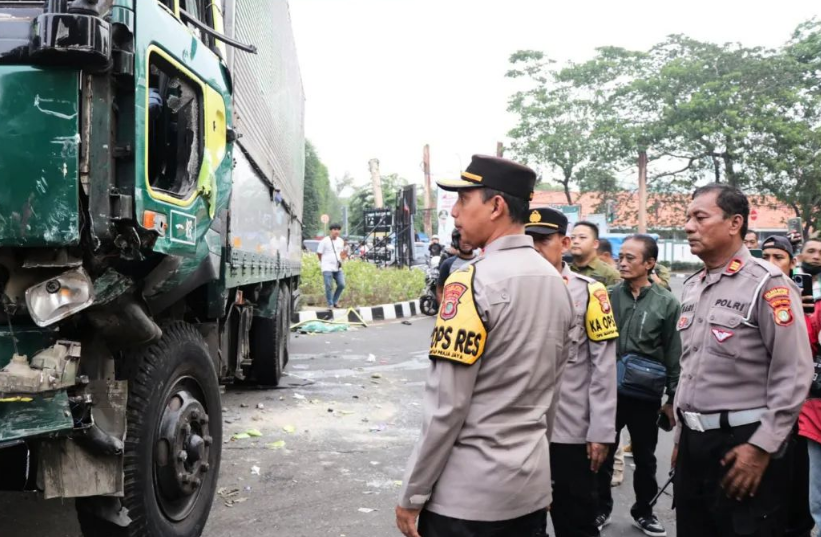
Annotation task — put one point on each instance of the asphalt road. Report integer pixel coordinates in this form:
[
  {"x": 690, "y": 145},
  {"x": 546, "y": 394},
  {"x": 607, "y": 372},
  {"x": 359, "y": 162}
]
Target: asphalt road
[{"x": 335, "y": 439}]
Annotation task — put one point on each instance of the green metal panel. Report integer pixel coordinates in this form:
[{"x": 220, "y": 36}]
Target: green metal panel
[
  {"x": 157, "y": 26},
  {"x": 41, "y": 416},
  {"x": 39, "y": 156}
]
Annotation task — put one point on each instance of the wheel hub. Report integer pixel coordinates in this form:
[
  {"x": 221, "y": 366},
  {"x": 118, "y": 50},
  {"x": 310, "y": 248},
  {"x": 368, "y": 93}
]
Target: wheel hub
[{"x": 182, "y": 452}]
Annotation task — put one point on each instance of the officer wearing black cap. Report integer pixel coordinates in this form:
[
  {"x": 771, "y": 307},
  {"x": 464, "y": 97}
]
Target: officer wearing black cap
[
  {"x": 586, "y": 416},
  {"x": 481, "y": 466}
]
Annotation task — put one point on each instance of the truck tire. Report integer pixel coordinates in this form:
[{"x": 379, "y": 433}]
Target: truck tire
[
  {"x": 269, "y": 342},
  {"x": 173, "y": 442}
]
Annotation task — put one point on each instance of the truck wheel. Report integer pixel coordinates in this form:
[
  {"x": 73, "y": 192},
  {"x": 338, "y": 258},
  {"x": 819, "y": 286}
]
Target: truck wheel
[
  {"x": 174, "y": 439},
  {"x": 269, "y": 345}
]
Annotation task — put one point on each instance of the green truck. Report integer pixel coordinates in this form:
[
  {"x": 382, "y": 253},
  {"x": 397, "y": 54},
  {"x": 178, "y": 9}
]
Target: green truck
[{"x": 151, "y": 185}]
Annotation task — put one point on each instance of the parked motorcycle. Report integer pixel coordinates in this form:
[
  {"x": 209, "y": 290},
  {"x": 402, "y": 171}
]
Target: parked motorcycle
[{"x": 428, "y": 302}]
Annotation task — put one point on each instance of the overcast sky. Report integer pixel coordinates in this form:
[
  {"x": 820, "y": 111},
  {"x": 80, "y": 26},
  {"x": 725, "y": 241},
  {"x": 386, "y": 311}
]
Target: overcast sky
[{"x": 384, "y": 77}]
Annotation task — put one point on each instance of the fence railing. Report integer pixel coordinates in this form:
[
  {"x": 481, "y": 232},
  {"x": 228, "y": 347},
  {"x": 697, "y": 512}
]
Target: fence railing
[{"x": 676, "y": 251}]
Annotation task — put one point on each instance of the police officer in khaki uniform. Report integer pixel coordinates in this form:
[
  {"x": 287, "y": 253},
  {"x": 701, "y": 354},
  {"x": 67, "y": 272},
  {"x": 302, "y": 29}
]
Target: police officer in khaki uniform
[
  {"x": 481, "y": 466},
  {"x": 586, "y": 414},
  {"x": 746, "y": 367}
]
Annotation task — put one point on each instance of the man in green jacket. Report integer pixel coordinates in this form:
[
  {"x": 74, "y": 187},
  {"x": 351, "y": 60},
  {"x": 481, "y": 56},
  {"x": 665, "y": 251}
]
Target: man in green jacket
[
  {"x": 646, "y": 316},
  {"x": 584, "y": 243}
]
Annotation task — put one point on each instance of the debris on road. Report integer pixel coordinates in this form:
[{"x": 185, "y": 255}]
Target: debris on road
[
  {"x": 376, "y": 376},
  {"x": 321, "y": 327},
  {"x": 290, "y": 429},
  {"x": 250, "y": 433},
  {"x": 260, "y": 406},
  {"x": 371, "y": 358},
  {"x": 228, "y": 496},
  {"x": 255, "y": 470},
  {"x": 367, "y": 510},
  {"x": 279, "y": 444},
  {"x": 299, "y": 396}
]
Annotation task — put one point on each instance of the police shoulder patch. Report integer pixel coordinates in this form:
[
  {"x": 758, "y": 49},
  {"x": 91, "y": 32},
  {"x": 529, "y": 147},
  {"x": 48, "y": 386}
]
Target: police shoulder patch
[
  {"x": 599, "y": 320},
  {"x": 779, "y": 300},
  {"x": 459, "y": 334}
]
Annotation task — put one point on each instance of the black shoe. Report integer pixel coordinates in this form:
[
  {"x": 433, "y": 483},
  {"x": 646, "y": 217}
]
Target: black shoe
[
  {"x": 650, "y": 525},
  {"x": 602, "y": 520}
]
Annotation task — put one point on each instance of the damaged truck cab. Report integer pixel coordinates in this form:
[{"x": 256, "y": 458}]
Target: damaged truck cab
[{"x": 151, "y": 175}]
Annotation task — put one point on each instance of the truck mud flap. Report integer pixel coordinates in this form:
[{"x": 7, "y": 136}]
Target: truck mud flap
[{"x": 72, "y": 468}]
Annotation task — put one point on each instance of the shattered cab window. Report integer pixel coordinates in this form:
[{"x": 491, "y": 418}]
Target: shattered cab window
[{"x": 174, "y": 129}]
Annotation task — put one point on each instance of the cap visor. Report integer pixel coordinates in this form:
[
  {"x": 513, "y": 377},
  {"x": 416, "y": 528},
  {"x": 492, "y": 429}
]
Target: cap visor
[
  {"x": 540, "y": 229},
  {"x": 456, "y": 184}
]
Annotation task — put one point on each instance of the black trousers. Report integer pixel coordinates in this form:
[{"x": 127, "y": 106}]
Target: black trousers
[
  {"x": 702, "y": 507},
  {"x": 799, "y": 520},
  {"x": 575, "y": 501},
  {"x": 434, "y": 525},
  {"x": 640, "y": 418}
]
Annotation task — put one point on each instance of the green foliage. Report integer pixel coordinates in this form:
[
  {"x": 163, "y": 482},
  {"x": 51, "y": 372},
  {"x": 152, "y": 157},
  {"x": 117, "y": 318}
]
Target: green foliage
[
  {"x": 556, "y": 124},
  {"x": 365, "y": 283},
  {"x": 699, "y": 111},
  {"x": 686, "y": 267},
  {"x": 319, "y": 197}
]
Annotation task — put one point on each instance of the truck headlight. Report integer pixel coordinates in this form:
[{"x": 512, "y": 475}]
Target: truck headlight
[{"x": 57, "y": 298}]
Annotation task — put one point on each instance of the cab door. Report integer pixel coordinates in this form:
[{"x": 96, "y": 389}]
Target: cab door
[{"x": 183, "y": 161}]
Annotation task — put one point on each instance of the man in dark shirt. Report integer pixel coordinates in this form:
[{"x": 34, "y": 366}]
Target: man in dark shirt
[
  {"x": 646, "y": 316},
  {"x": 464, "y": 254}
]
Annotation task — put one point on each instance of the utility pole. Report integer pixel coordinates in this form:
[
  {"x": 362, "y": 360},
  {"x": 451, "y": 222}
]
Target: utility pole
[
  {"x": 642, "y": 191},
  {"x": 500, "y": 149},
  {"x": 428, "y": 209},
  {"x": 376, "y": 180}
]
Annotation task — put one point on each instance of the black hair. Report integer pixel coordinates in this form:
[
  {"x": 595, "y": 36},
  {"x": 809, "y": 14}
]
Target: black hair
[
  {"x": 591, "y": 225},
  {"x": 335, "y": 226},
  {"x": 455, "y": 238},
  {"x": 811, "y": 238},
  {"x": 605, "y": 247},
  {"x": 518, "y": 208},
  {"x": 650, "y": 248},
  {"x": 730, "y": 200}
]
